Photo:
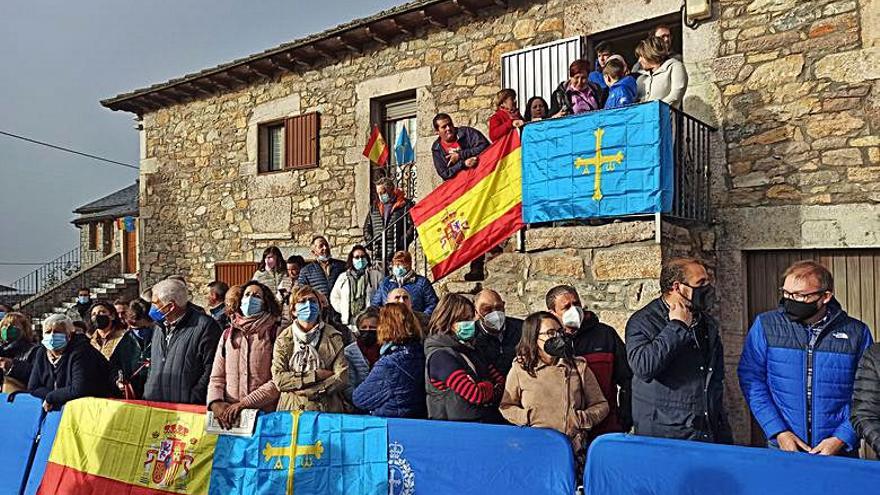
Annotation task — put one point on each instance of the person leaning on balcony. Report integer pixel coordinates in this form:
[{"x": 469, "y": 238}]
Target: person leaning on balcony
[
  {"x": 536, "y": 109},
  {"x": 241, "y": 376},
  {"x": 456, "y": 148},
  {"x": 661, "y": 76},
  {"x": 183, "y": 347},
  {"x": 506, "y": 117},
  {"x": 272, "y": 270},
  {"x": 111, "y": 337},
  {"x": 389, "y": 215},
  {"x": 798, "y": 366},
  {"x": 420, "y": 289},
  {"x": 577, "y": 94},
  {"x": 18, "y": 350},
  {"x": 547, "y": 391},
  {"x": 308, "y": 364},
  {"x": 68, "y": 368},
  {"x": 354, "y": 289}
]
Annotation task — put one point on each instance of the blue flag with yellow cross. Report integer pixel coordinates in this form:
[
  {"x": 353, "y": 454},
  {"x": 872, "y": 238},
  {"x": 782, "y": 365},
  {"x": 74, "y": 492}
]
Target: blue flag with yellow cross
[
  {"x": 599, "y": 164},
  {"x": 304, "y": 453}
]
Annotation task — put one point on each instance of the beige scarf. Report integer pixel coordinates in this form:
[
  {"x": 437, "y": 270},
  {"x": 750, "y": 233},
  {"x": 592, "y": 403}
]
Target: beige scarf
[{"x": 305, "y": 353}]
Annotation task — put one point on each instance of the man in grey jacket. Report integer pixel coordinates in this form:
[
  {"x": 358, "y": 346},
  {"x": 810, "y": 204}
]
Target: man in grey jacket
[{"x": 183, "y": 347}]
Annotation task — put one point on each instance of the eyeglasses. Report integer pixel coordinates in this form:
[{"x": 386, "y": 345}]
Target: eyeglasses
[
  {"x": 801, "y": 296},
  {"x": 549, "y": 333}
]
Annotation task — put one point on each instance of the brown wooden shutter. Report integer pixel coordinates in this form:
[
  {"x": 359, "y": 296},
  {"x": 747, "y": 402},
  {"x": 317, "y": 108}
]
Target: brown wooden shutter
[
  {"x": 235, "y": 272},
  {"x": 302, "y": 141}
]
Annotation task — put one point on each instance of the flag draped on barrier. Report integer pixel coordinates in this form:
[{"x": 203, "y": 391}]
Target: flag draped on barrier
[
  {"x": 610, "y": 163},
  {"x": 307, "y": 453},
  {"x": 107, "y": 446},
  {"x": 474, "y": 211}
]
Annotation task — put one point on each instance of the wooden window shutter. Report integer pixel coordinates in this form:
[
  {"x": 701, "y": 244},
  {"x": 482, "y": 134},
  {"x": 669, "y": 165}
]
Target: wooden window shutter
[
  {"x": 302, "y": 141},
  {"x": 235, "y": 272}
]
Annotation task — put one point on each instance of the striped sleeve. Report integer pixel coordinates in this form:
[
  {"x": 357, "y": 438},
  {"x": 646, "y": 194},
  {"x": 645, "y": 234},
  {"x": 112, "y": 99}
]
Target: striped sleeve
[{"x": 446, "y": 372}]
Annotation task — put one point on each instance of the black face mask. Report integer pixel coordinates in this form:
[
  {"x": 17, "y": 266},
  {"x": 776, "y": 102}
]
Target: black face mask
[
  {"x": 100, "y": 321},
  {"x": 367, "y": 338},
  {"x": 800, "y": 311},
  {"x": 702, "y": 298},
  {"x": 561, "y": 346}
]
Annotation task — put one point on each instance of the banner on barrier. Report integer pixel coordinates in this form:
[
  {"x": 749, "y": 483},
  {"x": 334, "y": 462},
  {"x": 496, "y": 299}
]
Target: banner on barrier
[
  {"x": 18, "y": 429},
  {"x": 116, "y": 447}
]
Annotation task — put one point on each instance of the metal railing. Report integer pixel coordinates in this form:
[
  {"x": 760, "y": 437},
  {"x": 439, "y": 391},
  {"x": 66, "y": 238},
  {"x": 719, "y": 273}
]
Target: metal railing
[
  {"x": 400, "y": 235},
  {"x": 44, "y": 277},
  {"x": 691, "y": 156}
]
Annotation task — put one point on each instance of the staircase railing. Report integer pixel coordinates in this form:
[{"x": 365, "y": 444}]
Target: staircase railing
[
  {"x": 43, "y": 278},
  {"x": 397, "y": 236}
]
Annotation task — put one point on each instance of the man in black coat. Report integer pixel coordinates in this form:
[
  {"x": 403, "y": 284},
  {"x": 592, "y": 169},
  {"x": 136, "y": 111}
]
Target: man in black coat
[
  {"x": 866, "y": 398},
  {"x": 497, "y": 333},
  {"x": 675, "y": 352},
  {"x": 183, "y": 347},
  {"x": 67, "y": 367}
]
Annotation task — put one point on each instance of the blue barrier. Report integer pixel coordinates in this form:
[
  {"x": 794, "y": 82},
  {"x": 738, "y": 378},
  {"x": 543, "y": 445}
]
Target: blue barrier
[
  {"x": 626, "y": 464},
  {"x": 44, "y": 447},
  {"x": 18, "y": 429}
]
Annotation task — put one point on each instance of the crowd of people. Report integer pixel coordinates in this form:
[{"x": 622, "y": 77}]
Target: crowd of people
[{"x": 808, "y": 371}]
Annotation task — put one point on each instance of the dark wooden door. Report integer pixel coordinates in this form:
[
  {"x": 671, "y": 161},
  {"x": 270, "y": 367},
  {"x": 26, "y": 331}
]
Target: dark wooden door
[
  {"x": 129, "y": 251},
  {"x": 235, "y": 272},
  {"x": 856, "y": 285}
]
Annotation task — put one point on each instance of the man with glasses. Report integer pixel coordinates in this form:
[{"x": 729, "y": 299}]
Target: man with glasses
[
  {"x": 799, "y": 363},
  {"x": 675, "y": 352}
]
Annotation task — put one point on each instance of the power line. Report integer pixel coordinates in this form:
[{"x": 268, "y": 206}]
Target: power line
[{"x": 68, "y": 150}]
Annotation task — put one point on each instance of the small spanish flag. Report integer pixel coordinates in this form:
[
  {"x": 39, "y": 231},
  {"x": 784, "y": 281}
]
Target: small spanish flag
[
  {"x": 474, "y": 211},
  {"x": 139, "y": 448},
  {"x": 376, "y": 149}
]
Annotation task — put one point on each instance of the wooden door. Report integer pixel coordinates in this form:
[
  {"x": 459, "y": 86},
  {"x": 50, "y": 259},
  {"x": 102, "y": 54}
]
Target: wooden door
[
  {"x": 129, "y": 252},
  {"x": 856, "y": 286},
  {"x": 235, "y": 272}
]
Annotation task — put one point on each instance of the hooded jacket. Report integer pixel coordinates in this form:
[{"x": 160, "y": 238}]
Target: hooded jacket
[
  {"x": 622, "y": 93},
  {"x": 795, "y": 383},
  {"x": 677, "y": 385},
  {"x": 81, "y": 371},
  {"x": 422, "y": 295},
  {"x": 395, "y": 388}
]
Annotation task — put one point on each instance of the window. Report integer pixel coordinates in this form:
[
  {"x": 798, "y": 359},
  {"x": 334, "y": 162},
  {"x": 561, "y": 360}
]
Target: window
[
  {"x": 394, "y": 113},
  {"x": 538, "y": 70},
  {"x": 288, "y": 144},
  {"x": 92, "y": 231}
]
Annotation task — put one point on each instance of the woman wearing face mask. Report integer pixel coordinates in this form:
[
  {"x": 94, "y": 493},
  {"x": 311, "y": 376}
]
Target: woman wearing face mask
[
  {"x": 355, "y": 288},
  {"x": 420, "y": 289},
  {"x": 363, "y": 353},
  {"x": 111, "y": 337},
  {"x": 309, "y": 366},
  {"x": 273, "y": 270},
  {"x": 552, "y": 392},
  {"x": 460, "y": 386},
  {"x": 241, "y": 376},
  {"x": 17, "y": 351},
  {"x": 395, "y": 387},
  {"x": 69, "y": 368}
]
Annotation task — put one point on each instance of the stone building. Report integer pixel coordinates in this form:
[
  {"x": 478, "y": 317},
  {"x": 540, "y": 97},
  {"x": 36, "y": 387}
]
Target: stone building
[
  {"x": 792, "y": 87},
  {"x": 109, "y": 225}
]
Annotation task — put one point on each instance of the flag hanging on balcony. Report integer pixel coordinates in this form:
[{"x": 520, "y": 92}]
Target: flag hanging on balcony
[
  {"x": 599, "y": 164},
  {"x": 403, "y": 149},
  {"x": 107, "y": 446},
  {"x": 474, "y": 211},
  {"x": 376, "y": 149}
]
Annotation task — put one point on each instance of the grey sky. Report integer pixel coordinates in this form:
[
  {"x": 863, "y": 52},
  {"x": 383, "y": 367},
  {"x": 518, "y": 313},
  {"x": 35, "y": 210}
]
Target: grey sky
[{"x": 61, "y": 57}]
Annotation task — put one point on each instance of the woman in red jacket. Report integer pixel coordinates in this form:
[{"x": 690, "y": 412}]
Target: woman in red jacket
[{"x": 507, "y": 117}]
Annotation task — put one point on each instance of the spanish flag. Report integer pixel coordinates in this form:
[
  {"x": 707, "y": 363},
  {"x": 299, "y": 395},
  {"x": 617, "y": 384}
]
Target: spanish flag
[
  {"x": 377, "y": 149},
  {"x": 474, "y": 211},
  {"x": 131, "y": 448}
]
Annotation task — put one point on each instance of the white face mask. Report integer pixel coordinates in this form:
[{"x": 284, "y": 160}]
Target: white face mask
[
  {"x": 572, "y": 317},
  {"x": 494, "y": 321}
]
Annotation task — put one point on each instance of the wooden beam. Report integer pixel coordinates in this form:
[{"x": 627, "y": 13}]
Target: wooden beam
[
  {"x": 214, "y": 81},
  {"x": 400, "y": 27},
  {"x": 348, "y": 45},
  {"x": 464, "y": 8},
  {"x": 198, "y": 89},
  {"x": 324, "y": 53},
  {"x": 441, "y": 23},
  {"x": 264, "y": 72},
  {"x": 160, "y": 99},
  {"x": 284, "y": 61},
  {"x": 501, "y": 3},
  {"x": 378, "y": 38},
  {"x": 236, "y": 77}
]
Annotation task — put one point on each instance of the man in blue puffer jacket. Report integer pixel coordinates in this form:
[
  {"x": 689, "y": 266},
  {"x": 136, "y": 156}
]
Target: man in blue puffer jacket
[{"x": 798, "y": 366}]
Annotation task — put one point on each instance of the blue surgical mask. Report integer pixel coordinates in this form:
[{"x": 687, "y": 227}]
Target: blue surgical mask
[
  {"x": 55, "y": 341},
  {"x": 157, "y": 315},
  {"x": 359, "y": 263},
  {"x": 323, "y": 258},
  {"x": 465, "y": 330},
  {"x": 307, "y": 311},
  {"x": 399, "y": 271},
  {"x": 385, "y": 198},
  {"x": 82, "y": 299},
  {"x": 251, "y": 306},
  {"x": 2, "y": 314}
]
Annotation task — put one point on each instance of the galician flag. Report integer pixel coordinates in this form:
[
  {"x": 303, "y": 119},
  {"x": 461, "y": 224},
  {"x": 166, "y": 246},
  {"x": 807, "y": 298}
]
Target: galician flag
[{"x": 474, "y": 211}]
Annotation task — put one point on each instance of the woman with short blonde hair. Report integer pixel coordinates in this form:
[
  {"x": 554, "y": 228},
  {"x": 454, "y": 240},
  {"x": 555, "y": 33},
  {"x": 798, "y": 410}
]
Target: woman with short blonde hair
[
  {"x": 17, "y": 351},
  {"x": 661, "y": 76}
]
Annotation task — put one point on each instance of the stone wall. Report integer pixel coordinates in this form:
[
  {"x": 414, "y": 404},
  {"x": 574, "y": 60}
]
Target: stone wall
[{"x": 109, "y": 267}]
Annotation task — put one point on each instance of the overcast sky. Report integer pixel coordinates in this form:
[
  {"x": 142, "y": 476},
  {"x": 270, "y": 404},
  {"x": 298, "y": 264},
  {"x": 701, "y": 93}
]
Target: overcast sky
[{"x": 60, "y": 57}]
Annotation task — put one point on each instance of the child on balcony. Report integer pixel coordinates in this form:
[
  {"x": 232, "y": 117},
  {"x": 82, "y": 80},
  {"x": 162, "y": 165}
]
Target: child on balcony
[{"x": 622, "y": 89}]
